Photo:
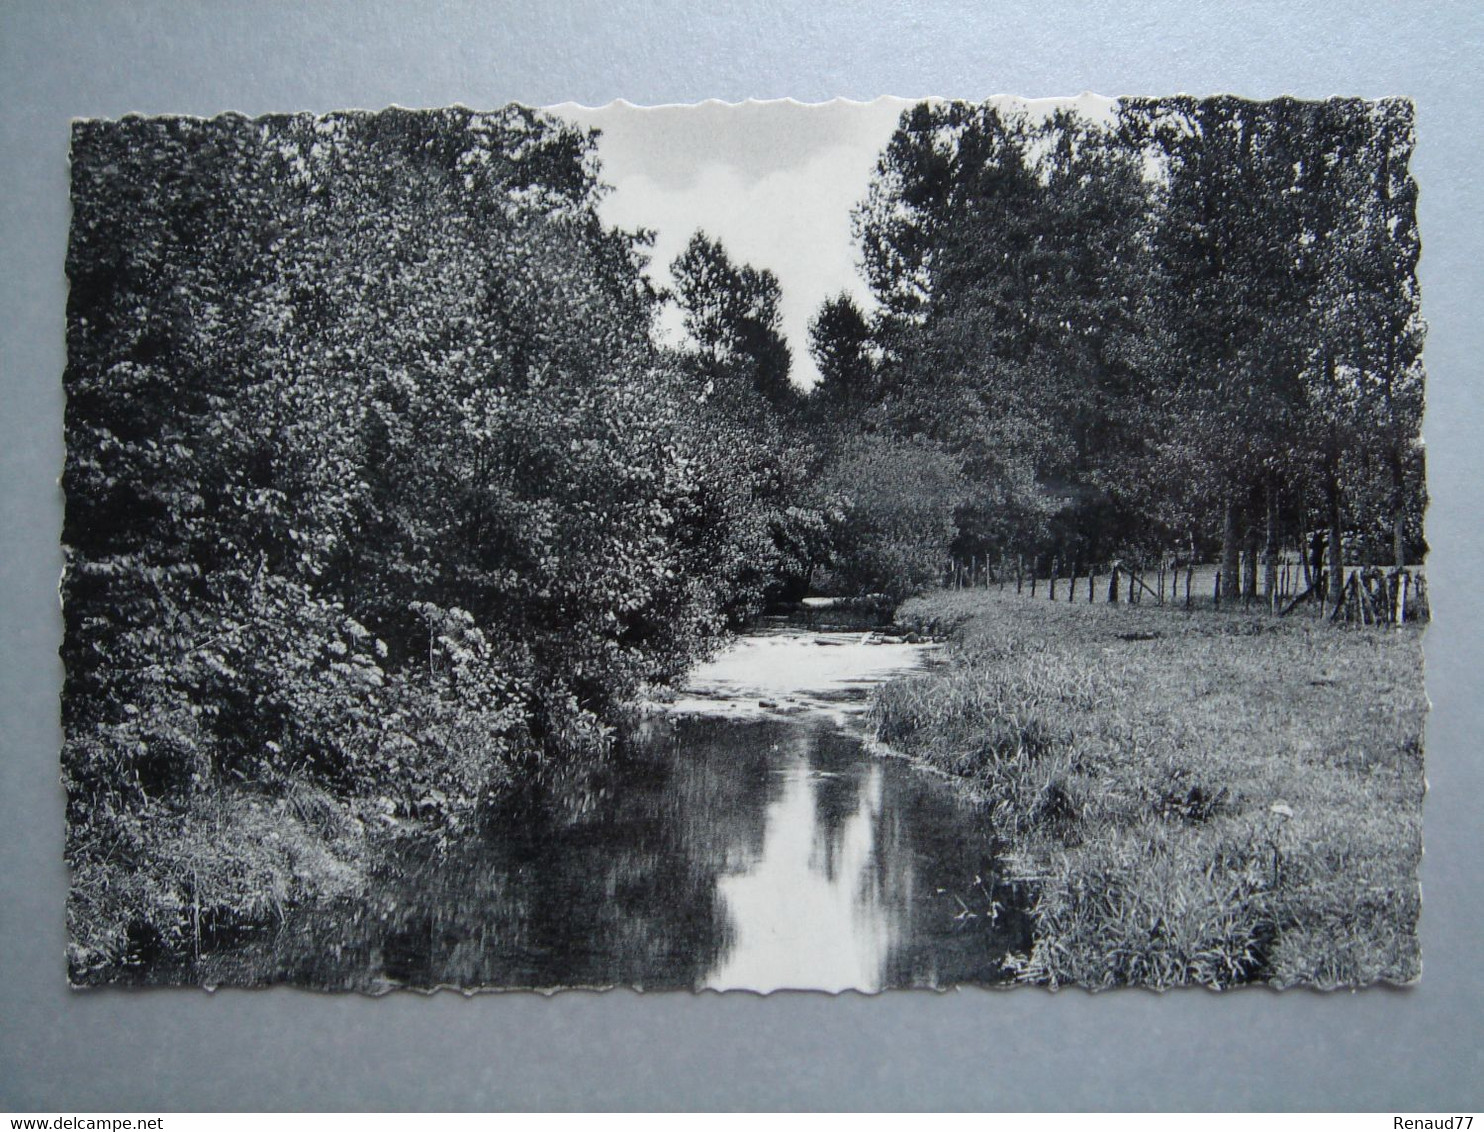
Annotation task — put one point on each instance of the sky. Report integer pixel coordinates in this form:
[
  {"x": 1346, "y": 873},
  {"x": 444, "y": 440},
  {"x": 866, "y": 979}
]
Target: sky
[{"x": 775, "y": 182}]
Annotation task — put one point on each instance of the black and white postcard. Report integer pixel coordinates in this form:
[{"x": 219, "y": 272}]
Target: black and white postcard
[{"x": 840, "y": 547}]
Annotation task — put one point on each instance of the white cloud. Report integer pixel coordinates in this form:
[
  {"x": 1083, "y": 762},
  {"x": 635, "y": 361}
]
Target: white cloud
[
  {"x": 794, "y": 222},
  {"x": 775, "y": 182}
]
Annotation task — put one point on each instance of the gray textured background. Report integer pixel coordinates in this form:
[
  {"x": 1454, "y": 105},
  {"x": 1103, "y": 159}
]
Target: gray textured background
[{"x": 1418, "y": 1048}]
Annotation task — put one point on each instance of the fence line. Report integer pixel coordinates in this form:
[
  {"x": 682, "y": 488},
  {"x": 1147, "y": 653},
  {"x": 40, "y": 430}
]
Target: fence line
[{"x": 1367, "y": 596}]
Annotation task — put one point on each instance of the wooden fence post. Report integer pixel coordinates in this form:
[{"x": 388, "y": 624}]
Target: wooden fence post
[
  {"x": 1019, "y": 572},
  {"x": 1113, "y": 585},
  {"x": 1035, "y": 561},
  {"x": 1189, "y": 578},
  {"x": 1216, "y": 591},
  {"x": 1348, "y": 604}
]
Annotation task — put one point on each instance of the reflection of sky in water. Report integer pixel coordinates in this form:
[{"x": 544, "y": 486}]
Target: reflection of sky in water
[
  {"x": 810, "y": 909},
  {"x": 760, "y": 850},
  {"x": 808, "y": 913}
]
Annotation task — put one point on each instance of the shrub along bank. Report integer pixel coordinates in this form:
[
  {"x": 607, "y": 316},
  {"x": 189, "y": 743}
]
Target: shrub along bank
[
  {"x": 381, "y": 500},
  {"x": 1194, "y": 799}
]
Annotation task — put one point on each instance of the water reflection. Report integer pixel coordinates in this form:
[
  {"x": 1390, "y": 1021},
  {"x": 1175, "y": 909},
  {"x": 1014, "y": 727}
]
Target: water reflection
[
  {"x": 809, "y": 911},
  {"x": 717, "y": 852},
  {"x": 864, "y": 864}
]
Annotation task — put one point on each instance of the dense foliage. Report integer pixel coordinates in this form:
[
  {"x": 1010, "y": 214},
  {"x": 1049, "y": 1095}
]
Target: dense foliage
[
  {"x": 1193, "y": 326},
  {"x": 745, "y": 418},
  {"x": 380, "y": 495}
]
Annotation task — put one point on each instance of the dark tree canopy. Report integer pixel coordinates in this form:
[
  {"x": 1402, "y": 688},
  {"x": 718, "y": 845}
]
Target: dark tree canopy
[
  {"x": 840, "y": 342},
  {"x": 732, "y": 314},
  {"x": 1194, "y": 324},
  {"x": 379, "y": 487}
]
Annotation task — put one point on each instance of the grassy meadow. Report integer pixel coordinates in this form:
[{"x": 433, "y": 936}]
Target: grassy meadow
[{"x": 1208, "y": 798}]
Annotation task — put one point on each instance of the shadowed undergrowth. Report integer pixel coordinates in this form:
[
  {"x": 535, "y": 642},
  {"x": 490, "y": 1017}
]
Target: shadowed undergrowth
[{"x": 1235, "y": 800}]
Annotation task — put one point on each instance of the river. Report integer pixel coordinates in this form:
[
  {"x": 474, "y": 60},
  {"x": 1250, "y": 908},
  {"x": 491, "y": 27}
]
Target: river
[{"x": 746, "y": 838}]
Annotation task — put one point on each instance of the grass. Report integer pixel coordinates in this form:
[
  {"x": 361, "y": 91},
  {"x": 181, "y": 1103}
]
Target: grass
[
  {"x": 155, "y": 887},
  {"x": 1194, "y": 798}
]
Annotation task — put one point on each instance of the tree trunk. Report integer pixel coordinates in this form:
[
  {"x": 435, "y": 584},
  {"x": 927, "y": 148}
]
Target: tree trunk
[
  {"x": 1270, "y": 550},
  {"x": 1190, "y": 568},
  {"x": 1306, "y": 551},
  {"x": 1231, "y": 550},
  {"x": 1249, "y": 565},
  {"x": 1336, "y": 567},
  {"x": 1398, "y": 511}
]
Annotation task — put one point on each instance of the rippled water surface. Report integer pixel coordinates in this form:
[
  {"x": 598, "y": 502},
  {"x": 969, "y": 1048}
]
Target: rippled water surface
[{"x": 745, "y": 839}]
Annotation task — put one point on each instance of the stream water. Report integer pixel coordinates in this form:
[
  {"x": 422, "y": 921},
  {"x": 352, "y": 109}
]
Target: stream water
[{"x": 746, "y": 838}]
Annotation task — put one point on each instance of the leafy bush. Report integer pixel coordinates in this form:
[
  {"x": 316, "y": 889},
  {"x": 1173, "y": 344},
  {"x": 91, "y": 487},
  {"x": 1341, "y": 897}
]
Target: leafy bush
[
  {"x": 379, "y": 492},
  {"x": 891, "y": 505}
]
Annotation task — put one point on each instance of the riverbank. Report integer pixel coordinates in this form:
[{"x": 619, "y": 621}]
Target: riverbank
[
  {"x": 740, "y": 836},
  {"x": 1206, "y": 799}
]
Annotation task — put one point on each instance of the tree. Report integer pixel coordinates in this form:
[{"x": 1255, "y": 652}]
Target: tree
[
  {"x": 891, "y": 505},
  {"x": 840, "y": 342},
  {"x": 1234, "y": 245},
  {"x": 1007, "y": 261},
  {"x": 379, "y": 490},
  {"x": 732, "y": 314},
  {"x": 1368, "y": 313}
]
